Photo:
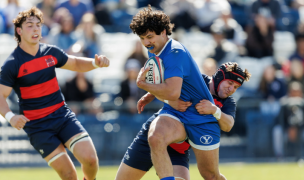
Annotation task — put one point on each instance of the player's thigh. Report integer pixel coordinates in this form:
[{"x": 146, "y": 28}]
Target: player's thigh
[
  {"x": 126, "y": 172},
  {"x": 181, "y": 172},
  {"x": 207, "y": 161},
  {"x": 82, "y": 150},
  {"x": 168, "y": 129},
  {"x": 61, "y": 162}
]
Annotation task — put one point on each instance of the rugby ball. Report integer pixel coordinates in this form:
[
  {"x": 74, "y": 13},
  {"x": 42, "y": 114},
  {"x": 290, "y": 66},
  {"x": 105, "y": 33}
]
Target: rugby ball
[{"x": 156, "y": 73}]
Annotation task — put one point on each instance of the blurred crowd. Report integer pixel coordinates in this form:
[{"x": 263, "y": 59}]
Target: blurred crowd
[{"x": 239, "y": 28}]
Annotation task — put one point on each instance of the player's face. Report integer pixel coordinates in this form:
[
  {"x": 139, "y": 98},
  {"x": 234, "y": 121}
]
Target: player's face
[
  {"x": 31, "y": 30},
  {"x": 227, "y": 88},
  {"x": 153, "y": 42}
]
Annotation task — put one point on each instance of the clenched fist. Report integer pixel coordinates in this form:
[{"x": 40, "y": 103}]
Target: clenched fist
[
  {"x": 18, "y": 121},
  {"x": 102, "y": 61}
]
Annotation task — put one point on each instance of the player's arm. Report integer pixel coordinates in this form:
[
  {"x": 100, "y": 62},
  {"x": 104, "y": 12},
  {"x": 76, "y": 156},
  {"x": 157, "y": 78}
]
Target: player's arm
[
  {"x": 169, "y": 90},
  {"x": 225, "y": 121},
  {"x": 17, "y": 121},
  {"x": 143, "y": 101},
  {"x": 83, "y": 64}
]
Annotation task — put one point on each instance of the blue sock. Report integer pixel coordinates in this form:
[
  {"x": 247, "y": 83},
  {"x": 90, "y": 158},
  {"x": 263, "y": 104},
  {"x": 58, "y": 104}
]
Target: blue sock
[{"x": 168, "y": 178}]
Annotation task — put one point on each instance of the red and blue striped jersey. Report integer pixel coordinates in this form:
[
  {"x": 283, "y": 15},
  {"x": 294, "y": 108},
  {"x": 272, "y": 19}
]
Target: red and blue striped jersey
[{"x": 34, "y": 80}]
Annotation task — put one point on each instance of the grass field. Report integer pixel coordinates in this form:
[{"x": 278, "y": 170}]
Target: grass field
[{"x": 236, "y": 171}]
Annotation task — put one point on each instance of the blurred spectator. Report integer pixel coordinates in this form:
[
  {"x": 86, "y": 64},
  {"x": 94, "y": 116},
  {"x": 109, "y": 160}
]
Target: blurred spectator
[
  {"x": 88, "y": 34},
  {"x": 10, "y": 12},
  {"x": 138, "y": 54},
  {"x": 48, "y": 8},
  {"x": 103, "y": 17},
  {"x": 260, "y": 38},
  {"x": 79, "y": 90},
  {"x": 209, "y": 66},
  {"x": 290, "y": 123},
  {"x": 224, "y": 51},
  {"x": 239, "y": 11},
  {"x": 130, "y": 93},
  {"x": 209, "y": 10},
  {"x": 63, "y": 36},
  {"x": 76, "y": 8},
  {"x": 232, "y": 30},
  {"x": 181, "y": 12},
  {"x": 271, "y": 87},
  {"x": 269, "y": 9},
  {"x": 122, "y": 16},
  {"x": 299, "y": 51},
  {"x": 260, "y": 122},
  {"x": 296, "y": 73}
]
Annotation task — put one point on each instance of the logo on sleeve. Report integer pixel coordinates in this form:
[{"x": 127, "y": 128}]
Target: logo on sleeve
[
  {"x": 24, "y": 71},
  {"x": 218, "y": 103},
  {"x": 50, "y": 62}
]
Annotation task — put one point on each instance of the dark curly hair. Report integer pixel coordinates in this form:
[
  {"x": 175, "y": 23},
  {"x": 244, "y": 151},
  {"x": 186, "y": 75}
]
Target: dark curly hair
[
  {"x": 234, "y": 67},
  {"x": 22, "y": 17},
  {"x": 154, "y": 21}
]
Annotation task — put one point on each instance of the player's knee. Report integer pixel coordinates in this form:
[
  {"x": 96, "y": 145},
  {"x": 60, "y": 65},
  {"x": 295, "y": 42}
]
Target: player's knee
[
  {"x": 207, "y": 175},
  {"x": 156, "y": 139},
  {"x": 90, "y": 160}
]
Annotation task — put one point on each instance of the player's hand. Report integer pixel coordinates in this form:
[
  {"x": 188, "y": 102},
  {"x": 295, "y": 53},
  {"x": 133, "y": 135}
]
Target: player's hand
[
  {"x": 18, "y": 121},
  {"x": 146, "y": 99},
  {"x": 141, "y": 78},
  {"x": 205, "y": 107},
  {"x": 180, "y": 105},
  {"x": 102, "y": 61}
]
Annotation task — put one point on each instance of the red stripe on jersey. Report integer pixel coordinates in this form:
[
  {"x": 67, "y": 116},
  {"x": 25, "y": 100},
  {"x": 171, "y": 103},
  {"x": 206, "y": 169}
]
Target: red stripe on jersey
[
  {"x": 39, "y": 90},
  {"x": 40, "y": 113},
  {"x": 37, "y": 65},
  {"x": 181, "y": 148}
]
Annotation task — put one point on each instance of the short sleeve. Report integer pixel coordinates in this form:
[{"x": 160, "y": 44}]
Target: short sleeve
[
  {"x": 8, "y": 73},
  {"x": 173, "y": 63},
  {"x": 229, "y": 107},
  {"x": 61, "y": 56}
]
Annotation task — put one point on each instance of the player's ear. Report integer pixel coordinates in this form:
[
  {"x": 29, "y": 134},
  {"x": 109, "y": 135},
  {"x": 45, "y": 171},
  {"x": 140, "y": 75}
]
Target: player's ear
[{"x": 19, "y": 30}]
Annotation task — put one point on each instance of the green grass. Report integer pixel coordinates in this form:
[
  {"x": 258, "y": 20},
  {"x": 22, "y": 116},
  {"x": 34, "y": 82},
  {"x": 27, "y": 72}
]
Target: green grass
[{"x": 236, "y": 171}]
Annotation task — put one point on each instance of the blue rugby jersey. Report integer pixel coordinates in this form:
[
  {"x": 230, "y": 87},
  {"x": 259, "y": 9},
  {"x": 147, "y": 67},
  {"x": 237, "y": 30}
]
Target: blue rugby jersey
[
  {"x": 227, "y": 106},
  {"x": 179, "y": 63},
  {"x": 34, "y": 80}
]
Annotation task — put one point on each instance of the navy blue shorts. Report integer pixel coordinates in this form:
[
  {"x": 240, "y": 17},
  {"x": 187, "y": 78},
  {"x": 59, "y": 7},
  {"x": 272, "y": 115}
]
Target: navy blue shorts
[
  {"x": 138, "y": 154},
  {"x": 47, "y": 134}
]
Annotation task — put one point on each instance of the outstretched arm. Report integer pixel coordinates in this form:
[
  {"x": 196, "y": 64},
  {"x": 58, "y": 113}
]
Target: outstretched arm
[
  {"x": 83, "y": 64},
  {"x": 226, "y": 121},
  {"x": 17, "y": 121}
]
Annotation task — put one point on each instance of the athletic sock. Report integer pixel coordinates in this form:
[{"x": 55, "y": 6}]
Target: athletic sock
[{"x": 168, "y": 178}]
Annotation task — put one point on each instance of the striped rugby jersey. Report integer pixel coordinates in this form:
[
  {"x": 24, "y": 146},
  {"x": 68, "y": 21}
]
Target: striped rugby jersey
[{"x": 34, "y": 80}]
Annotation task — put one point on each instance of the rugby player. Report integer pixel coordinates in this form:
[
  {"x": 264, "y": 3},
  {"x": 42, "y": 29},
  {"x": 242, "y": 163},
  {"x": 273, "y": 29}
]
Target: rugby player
[
  {"x": 182, "y": 80},
  {"x": 50, "y": 125},
  {"x": 137, "y": 160}
]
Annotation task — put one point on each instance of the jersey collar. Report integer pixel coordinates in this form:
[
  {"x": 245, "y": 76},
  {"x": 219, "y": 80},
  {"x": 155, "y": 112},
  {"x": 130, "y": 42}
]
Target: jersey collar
[{"x": 164, "y": 47}]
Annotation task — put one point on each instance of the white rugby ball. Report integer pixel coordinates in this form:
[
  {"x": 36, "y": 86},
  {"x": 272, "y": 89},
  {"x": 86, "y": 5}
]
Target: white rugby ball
[{"x": 156, "y": 73}]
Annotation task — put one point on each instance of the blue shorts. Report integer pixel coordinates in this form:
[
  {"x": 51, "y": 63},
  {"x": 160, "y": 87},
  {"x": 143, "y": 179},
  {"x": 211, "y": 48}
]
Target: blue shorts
[
  {"x": 47, "y": 134},
  {"x": 138, "y": 154},
  {"x": 205, "y": 136}
]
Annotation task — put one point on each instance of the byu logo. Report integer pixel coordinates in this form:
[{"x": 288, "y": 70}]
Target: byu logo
[{"x": 207, "y": 139}]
